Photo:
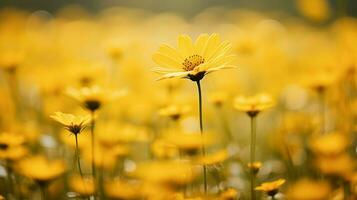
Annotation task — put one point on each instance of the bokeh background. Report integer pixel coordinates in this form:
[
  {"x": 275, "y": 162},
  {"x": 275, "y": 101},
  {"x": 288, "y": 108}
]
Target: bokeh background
[
  {"x": 183, "y": 7},
  {"x": 301, "y": 53}
]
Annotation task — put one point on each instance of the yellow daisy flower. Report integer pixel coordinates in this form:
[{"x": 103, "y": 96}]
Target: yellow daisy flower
[
  {"x": 74, "y": 124},
  {"x": 193, "y": 60},
  {"x": 271, "y": 188}
]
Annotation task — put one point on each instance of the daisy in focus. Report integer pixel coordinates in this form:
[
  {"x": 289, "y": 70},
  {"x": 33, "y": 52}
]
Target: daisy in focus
[
  {"x": 193, "y": 60},
  {"x": 74, "y": 124}
]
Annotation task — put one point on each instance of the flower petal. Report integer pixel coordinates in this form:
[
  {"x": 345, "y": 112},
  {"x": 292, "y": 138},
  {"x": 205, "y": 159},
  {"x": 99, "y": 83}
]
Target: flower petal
[
  {"x": 211, "y": 45},
  {"x": 185, "y": 46},
  {"x": 169, "y": 51},
  {"x": 165, "y": 61},
  {"x": 200, "y": 44},
  {"x": 174, "y": 75}
]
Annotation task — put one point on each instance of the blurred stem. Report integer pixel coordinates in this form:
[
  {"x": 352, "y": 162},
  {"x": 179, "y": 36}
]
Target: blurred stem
[
  {"x": 346, "y": 190},
  {"x": 43, "y": 191},
  {"x": 9, "y": 188},
  {"x": 201, "y": 130},
  {"x": 92, "y": 145},
  {"x": 322, "y": 111},
  {"x": 252, "y": 156},
  {"x": 14, "y": 91},
  {"x": 225, "y": 125},
  {"x": 290, "y": 162},
  {"x": 342, "y": 7}
]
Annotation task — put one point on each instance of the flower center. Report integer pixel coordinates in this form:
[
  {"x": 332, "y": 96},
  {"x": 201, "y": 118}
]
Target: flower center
[{"x": 192, "y": 62}]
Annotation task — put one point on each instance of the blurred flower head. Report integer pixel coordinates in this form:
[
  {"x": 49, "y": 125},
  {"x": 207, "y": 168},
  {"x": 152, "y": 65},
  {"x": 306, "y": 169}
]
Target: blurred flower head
[
  {"x": 253, "y": 105},
  {"x": 84, "y": 186},
  {"x": 92, "y": 98},
  {"x": 40, "y": 169},
  {"x": 307, "y": 189}
]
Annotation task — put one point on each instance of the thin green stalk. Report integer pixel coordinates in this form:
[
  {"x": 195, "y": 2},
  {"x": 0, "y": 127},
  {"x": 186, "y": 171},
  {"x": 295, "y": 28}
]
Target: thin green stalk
[
  {"x": 322, "y": 112},
  {"x": 9, "y": 188},
  {"x": 201, "y": 130},
  {"x": 346, "y": 190},
  {"x": 43, "y": 191},
  {"x": 225, "y": 125},
  {"x": 79, "y": 161},
  {"x": 77, "y": 156},
  {"x": 252, "y": 156},
  {"x": 92, "y": 145}
]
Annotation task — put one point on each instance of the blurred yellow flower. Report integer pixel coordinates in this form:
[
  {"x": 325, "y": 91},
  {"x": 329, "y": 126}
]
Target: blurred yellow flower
[
  {"x": 214, "y": 158},
  {"x": 11, "y": 146},
  {"x": 193, "y": 60},
  {"x": 229, "y": 194},
  {"x": 9, "y": 62},
  {"x": 252, "y": 105},
  {"x": 165, "y": 172},
  {"x": 175, "y": 112},
  {"x": 40, "y": 169},
  {"x": 84, "y": 186},
  {"x": 341, "y": 165},
  {"x": 13, "y": 153},
  {"x": 92, "y": 98},
  {"x": 10, "y": 139},
  {"x": 164, "y": 149},
  {"x": 329, "y": 144},
  {"x": 74, "y": 124},
  {"x": 218, "y": 98},
  {"x": 255, "y": 166},
  {"x": 306, "y": 189},
  {"x": 317, "y": 10},
  {"x": 188, "y": 142},
  {"x": 320, "y": 81},
  {"x": 271, "y": 188},
  {"x": 119, "y": 189}
]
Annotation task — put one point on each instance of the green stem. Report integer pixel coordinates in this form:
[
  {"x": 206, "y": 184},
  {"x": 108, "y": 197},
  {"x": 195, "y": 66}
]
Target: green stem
[
  {"x": 346, "y": 190},
  {"x": 201, "y": 130},
  {"x": 342, "y": 7},
  {"x": 226, "y": 125},
  {"x": 322, "y": 112},
  {"x": 9, "y": 188},
  {"x": 92, "y": 145},
  {"x": 252, "y": 157},
  {"x": 43, "y": 191},
  {"x": 77, "y": 156}
]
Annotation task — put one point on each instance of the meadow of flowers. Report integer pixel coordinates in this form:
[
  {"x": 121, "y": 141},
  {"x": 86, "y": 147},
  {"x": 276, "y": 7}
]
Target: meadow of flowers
[{"x": 129, "y": 104}]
